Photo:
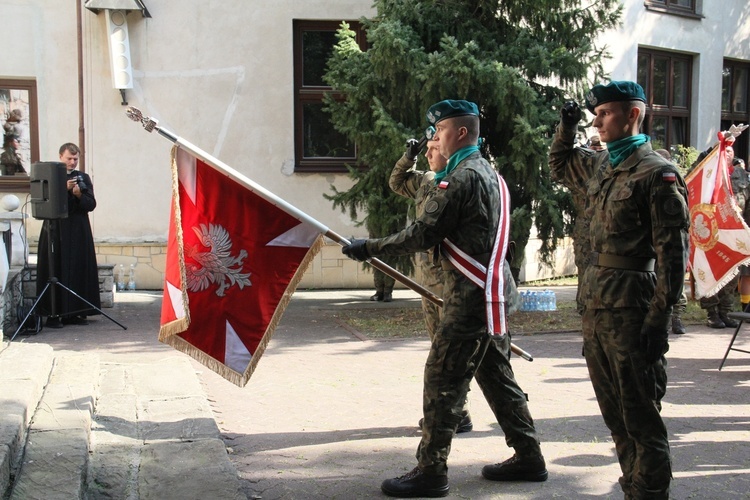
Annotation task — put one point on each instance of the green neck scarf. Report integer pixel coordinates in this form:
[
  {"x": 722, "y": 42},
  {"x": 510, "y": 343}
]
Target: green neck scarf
[
  {"x": 454, "y": 160},
  {"x": 622, "y": 148}
]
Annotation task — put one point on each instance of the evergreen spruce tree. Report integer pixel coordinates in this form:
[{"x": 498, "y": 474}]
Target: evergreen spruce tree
[{"x": 519, "y": 60}]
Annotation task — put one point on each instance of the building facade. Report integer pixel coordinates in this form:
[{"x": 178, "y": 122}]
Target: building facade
[{"x": 242, "y": 80}]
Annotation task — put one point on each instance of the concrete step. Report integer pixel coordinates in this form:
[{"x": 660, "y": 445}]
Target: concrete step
[
  {"x": 24, "y": 372},
  {"x": 55, "y": 460},
  {"x": 74, "y": 427},
  {"x": 154, "y": 436}
]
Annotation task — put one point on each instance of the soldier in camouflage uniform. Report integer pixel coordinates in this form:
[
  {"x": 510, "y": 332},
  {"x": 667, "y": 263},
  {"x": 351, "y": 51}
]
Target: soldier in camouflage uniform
[
  {"x": 464, "y": 207},
  {"x": 409, "y": 182},
  {"x": 637, "y": 203}
]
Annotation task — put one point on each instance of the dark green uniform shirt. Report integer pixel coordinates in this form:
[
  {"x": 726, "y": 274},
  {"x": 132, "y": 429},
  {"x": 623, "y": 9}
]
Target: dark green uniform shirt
[
  {"x": 466, "y": 211},
  {"x": 637, "y": 210}
]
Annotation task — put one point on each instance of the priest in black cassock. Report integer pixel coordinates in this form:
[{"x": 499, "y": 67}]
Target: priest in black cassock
[{"x": 74, "y": 253}]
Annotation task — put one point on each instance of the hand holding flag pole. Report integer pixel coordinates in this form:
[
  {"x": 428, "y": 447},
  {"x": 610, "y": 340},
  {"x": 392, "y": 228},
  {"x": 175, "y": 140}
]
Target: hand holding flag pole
[{"x": 151, "y": 124}]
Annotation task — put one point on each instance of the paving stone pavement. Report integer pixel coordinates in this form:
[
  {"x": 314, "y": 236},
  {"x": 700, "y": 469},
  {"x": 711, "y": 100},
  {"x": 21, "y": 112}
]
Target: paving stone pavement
[{"x": 329, "y": 415}]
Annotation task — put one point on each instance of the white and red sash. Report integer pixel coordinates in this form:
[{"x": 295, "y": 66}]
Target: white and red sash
[{"x": 490, "y": 278}]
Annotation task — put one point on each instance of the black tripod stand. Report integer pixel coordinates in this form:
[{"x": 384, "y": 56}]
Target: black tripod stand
[{"x": 53, "y": 283}]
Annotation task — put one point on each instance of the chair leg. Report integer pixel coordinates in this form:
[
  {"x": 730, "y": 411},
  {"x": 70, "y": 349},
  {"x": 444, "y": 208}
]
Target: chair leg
[{"x": 736, "y": 331}]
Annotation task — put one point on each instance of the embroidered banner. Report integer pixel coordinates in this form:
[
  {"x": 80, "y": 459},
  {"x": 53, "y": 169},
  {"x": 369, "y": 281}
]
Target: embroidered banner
[
  {"x": 719, "y": 237},
  {"x": 233, "y": 262}
]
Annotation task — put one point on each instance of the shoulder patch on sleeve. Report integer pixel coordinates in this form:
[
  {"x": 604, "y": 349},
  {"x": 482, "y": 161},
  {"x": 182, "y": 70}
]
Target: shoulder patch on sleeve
[
  {"x": 431, "y": 206},
  {"x": 672, "y": 206}
]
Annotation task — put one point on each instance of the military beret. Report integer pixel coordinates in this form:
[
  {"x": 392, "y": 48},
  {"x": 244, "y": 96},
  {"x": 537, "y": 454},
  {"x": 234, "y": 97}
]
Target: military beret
[
  {"x": 613, "y": 92},
  {"x": 450, "y": 109}
]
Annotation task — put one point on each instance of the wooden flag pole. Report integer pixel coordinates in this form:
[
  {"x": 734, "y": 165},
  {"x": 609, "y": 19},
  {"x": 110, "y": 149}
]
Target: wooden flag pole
[{"x": 151, "y": 124}]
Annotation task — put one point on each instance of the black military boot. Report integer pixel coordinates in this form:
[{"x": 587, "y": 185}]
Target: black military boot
[
  {"x": 677, "y": 327},
  {"x": 729, "y": 322},
  {"x": 378, "y": 297},
  {"x": 416, "y": 484},
  {"x": 387, "y": 296},
  {"x": 714, "y": 321},
  {"x": 517, "y": 469},
  {"x": 465, "y": 425}
]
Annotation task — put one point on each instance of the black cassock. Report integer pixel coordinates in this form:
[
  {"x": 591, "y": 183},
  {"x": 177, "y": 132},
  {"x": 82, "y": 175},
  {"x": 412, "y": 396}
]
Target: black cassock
[{"x": 74, "y": 257}]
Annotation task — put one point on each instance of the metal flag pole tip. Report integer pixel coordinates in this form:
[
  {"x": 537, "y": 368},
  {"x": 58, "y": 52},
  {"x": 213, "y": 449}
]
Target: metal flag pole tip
[{"x": 149, "y": 124}]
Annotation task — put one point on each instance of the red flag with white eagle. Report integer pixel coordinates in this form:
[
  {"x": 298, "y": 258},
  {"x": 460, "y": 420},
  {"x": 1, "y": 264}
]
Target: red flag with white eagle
[
  {"x": 233, "y": 262},
  {"x": 719, "y": 237}
]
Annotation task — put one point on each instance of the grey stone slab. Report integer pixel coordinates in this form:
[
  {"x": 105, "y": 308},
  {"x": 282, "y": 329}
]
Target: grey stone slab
[
  {"x": 69, "y": 397},
  {"x": 192, "y": 470},
  {"x": 173, "y": 376},
  {"x": 75, "y": 367},
  {"x": 113, "y": 466},
  {"x": 65, "y": 406},
  {"x": 5, "y": 460},
  {"x": 54, "y": 465},
  {"x": 116, "y": 378},
  {"x": 185, "y": 418},
  {"x": 116, "y": 416},
  {"x": 25, "y": 361},
  {"x": 21, "y": 396},
  {"x": 12, "y": 433}
]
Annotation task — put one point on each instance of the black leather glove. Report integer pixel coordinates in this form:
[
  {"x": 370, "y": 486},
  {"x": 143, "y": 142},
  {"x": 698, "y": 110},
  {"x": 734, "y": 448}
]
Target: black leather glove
[
  {"x": 654, "y": 343},
  {"x": 571, "y": 113},
  {"x": 413, "y": 148},
  {"x": 356, "y": 250}
]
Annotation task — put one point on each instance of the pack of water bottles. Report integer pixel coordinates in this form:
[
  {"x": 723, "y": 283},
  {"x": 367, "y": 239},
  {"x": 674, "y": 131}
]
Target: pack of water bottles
[{"x": 532, "y": 300}]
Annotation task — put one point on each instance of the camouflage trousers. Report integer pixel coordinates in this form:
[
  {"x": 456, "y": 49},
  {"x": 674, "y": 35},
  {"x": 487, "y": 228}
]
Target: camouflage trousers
[
  {"x": 681, "y": 306},
  {"x": 383, "y": 282},
  {"x": 723, "y": 299},
  {"x": 450, "y": 366},
  {"x": 432, "y": 279},
  {"x": 629, "y": 393}
]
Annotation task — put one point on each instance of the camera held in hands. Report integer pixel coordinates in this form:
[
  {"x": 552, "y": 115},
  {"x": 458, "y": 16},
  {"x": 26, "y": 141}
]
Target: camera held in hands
[{"x": 81, "y": 184}]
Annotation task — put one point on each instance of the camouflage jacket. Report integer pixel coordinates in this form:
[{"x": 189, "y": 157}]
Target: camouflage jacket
[
  {"x": 466, "y": 211},
  {"x": 637, "y": 210},
  {"x": 409, "y": 182},
  {"x": 740, "y": 181}
]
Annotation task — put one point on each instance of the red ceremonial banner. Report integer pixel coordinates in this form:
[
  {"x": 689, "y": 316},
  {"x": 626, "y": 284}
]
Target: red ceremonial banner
[
  {"x": 233, "y": 262},
  {"x": 719, "y": 237}
]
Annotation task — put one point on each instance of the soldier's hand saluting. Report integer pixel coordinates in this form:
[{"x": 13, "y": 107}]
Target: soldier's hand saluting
[{"x": 571, "y": 113}]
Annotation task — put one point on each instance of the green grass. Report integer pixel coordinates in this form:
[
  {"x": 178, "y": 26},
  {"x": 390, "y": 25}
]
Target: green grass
[{"x": 408, "y": 322}]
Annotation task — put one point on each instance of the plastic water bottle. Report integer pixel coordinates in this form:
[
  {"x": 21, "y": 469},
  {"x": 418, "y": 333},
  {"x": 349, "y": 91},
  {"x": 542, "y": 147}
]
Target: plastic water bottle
[
  {"x": 547, "y": 304},
  {"x": 131, "y": 278},
  {"x": 120, "y": 278},
  {"x": 553, "y": 301},
  {"x": 534, "y": 301},
  {"x": 525, "y": 300}
]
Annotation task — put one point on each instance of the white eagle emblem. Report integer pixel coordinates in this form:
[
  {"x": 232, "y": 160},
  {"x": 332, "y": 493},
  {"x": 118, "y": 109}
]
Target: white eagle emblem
[{"x": 217, "y": 266}]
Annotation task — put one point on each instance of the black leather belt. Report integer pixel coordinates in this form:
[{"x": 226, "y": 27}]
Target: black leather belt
[{"x": 620, "y": 262}]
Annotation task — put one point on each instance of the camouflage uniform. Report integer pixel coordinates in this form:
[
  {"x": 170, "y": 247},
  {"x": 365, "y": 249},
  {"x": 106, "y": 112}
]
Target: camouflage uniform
[
  {"x": 581, "y": 230},
  {"x": 409, "y": 182},
  {"x": 638, "y": 212},
  {"x": 466, "y": 211}
]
